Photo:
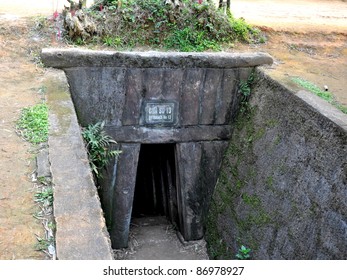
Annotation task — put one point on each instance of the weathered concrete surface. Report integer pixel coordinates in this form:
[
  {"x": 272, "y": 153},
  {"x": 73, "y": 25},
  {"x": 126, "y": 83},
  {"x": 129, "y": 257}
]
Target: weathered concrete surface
[
  {"x": 199, "y": 164},
  {"x": 283, "y": 185},
  {"x": 42, "y": 163},
  {"x": 123, "y": 194},
  {"x": 319, "y": 104},
  {"x": 146, "y": 135},
  {"x": 202, "y": 93},
  {"x": 81, "y": 232},
  {"x": 113, "y": 86},
  {"x": 72, "y": 58}
]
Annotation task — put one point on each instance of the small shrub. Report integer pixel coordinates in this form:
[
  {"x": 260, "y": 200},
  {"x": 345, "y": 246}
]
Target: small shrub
[
  {"x": 191, "y": 26},
  {"x": 99, "y": 146},
  {"x": 241, "y": 28},
  {"x": 245, "y": 90}
]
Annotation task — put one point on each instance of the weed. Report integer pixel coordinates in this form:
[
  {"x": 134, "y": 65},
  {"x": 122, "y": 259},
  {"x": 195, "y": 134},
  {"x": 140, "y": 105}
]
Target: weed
[
  {"x": 113, "y": 41},
  {"x": 43, "y": 244},
  {"x": 262, "y": 40},
  {"x": 99, "y": 147},
  {"x": 108, "y": 41},
  {"x": 326, "y": 95},
  {"x": 243, "y": 30},
  {"x": 245, "y": 90},
  {"x": 313, "y": 88},
  {"x": 243, "y": 253},
  {"x": 245, "y": 86},
  {"x": 80, "y": 41},
  {"x": 191, "y": 26},
  {"x": 187, "y": 40},
  {"x": 33, "y": 123},
  {"x": 45, "y": 196}
]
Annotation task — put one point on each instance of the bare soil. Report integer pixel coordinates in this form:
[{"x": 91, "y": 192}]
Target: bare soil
[
  {"x": 19, "y": 84},
  {"x": 153, "y": 238},
  {"x": 307, "y": 38}
]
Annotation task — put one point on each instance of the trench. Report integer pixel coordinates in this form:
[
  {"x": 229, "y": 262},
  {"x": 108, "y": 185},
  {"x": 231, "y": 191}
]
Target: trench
[{"x": 171, "y": 115}]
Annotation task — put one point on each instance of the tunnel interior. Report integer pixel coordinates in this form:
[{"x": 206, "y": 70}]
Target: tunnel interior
[{"x": 156, "y": 188}]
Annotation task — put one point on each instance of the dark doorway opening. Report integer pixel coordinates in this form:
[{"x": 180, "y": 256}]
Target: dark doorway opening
[{"x": 156, "y": 192}]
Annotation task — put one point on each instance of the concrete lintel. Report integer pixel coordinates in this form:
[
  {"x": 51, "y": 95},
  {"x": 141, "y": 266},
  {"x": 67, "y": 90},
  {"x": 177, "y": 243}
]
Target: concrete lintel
[
  {"x": 131, "y": 134},
  {"x": 68, "y": 58}
]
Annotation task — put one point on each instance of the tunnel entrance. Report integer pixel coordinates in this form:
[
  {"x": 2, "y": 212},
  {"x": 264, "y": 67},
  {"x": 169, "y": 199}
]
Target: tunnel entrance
[
  {"x": 156, "y": 190},
  {"x": 148, "y": 101}
]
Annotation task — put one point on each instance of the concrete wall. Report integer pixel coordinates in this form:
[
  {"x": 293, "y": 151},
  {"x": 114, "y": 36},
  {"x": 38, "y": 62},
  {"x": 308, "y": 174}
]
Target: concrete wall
[
  {"x": 283, "y": 186},
  {"x": 81, "y": 232}
]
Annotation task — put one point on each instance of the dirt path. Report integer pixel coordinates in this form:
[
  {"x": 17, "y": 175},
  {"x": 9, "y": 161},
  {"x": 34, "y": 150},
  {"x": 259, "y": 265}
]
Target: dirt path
[
  {"x": 19, "y": 84},
  {"x": 153, "y": 238},
  {"x": 294, "y": 15},
  {"x": 307, "y": 38}
]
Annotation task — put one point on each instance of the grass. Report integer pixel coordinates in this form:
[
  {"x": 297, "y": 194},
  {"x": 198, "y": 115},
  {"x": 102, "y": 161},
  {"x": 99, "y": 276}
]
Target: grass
[
  {"x": 33, "y": 123},
  {"x": 326, "y": 95},
  {"x": 45, "y": 196},
  {"x": 44, "y": 199},
  {"x": 128, "y": 24}
]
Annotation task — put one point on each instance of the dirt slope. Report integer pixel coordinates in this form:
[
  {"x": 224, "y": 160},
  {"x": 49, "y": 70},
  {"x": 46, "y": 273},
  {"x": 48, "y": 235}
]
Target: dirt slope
[{"x": 307, "y": 38}]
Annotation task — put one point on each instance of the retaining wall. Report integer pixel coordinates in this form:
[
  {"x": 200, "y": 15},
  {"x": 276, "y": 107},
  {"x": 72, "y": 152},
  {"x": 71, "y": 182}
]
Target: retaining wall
[
  {"x": 283, "y": 186},
  {"x": 81, "y": 232},
  {"x": 189, "y": 99}
]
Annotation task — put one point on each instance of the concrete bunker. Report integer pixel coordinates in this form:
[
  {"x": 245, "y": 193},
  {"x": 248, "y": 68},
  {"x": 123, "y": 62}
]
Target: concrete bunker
[{"x": 171, "y": 114}]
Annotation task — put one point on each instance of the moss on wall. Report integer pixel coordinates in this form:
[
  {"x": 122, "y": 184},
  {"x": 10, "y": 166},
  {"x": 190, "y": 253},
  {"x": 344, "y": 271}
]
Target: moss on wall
[
  {"x": 281, "y": 182},
  {"x": 230, "y": 193}
]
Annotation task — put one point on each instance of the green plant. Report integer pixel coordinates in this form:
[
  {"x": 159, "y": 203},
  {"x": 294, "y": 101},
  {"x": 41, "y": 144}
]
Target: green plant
[
  {"x": 326, "y": 95},
  {"x": 243, "y": 30},
  {"x": 191, "y": 26},
  {"x": 99, "y": 146},
  {"x": 243, "y": 253},
  {"x": 43, "y": 244},
  {"x": 45, "y": 195},
  {"x": 188, "y": 40},
  {"x": 245, "y": 90},
  {"x": 33, "y": 123},
  {"x": 80, "y": 41},
  {"x": 113, "y": 41}
]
